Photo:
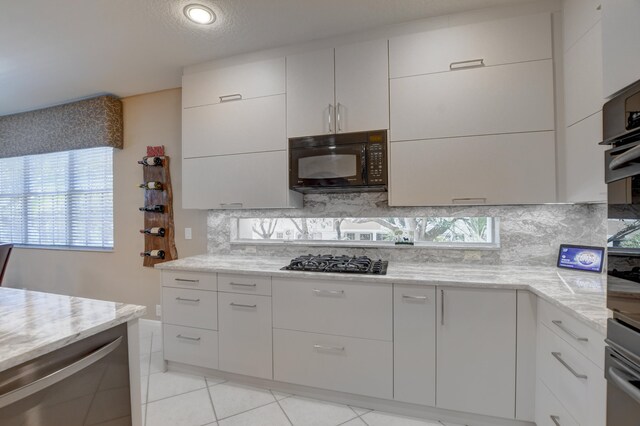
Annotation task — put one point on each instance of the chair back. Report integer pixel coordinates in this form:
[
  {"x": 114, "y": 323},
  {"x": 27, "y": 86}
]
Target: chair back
[{"x": 5, "y": 252}]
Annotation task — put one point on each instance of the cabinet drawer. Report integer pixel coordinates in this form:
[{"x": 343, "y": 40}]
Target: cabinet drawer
[
  {"x": 249, "y": 284},
  {"x": 414, "y": 350},
  {"x": 517, "y": 39},
  {"x": 455, "y": 104},
  {"x": 246, "y": 334},
  {"x": 573, "y": 378},
  {"x": 192, "y": 280},
  {"x": 222, "y": 129},
  {"x": 333, "y": 307},
  {"x": 573, "y": 332},
  {"x": 501, "y": 166},
  {"x": 191, "y": 308},
  {"x": 548, "y": 409},
  {"x": 344, "y": 364},
  {"x": 251, "y": 80},
  {"x": 190, "y": 345}
]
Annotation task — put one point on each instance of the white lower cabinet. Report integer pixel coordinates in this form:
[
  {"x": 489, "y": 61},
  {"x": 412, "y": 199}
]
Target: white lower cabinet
[
  {"x": 192, "y": 308},
  {"x": 476, "y": 351},
  {"x": 345, "y": 364},
  {"x": 550, "y": 411},
  {"x": 245, "y": 334},
  {"x": 189, "y": 345},
  {"x": 414, "y": 352}
]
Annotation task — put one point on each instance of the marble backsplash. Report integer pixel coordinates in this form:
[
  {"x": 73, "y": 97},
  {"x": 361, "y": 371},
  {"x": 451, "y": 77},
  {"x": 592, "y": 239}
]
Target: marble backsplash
[{"x": 529, "y": 234}]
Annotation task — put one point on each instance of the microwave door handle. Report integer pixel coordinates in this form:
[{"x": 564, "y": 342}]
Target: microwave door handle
[
  {"x": 624, "y": 158},
  {"x": 365, "y": 177}
]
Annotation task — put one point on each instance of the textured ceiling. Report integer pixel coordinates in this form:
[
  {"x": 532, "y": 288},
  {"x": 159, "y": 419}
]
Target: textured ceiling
[{"x": 52, "y": 51}]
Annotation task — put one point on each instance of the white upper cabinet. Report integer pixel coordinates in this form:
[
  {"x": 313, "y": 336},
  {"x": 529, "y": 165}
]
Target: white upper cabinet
[
  {"x": 338, "y": 90},
  {"x": 223, "y": 128},
  {"x": 362, "y": 87},
  {"x": 518, "y": 39},
  {"x": 503, "y": 99},
  {"x": 620, "y": 39},
  {"x": 246, "y": 81},
  {"x": 498, "y": 169}
]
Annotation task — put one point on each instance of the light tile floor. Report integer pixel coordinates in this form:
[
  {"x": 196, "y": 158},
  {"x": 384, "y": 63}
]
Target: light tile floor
[{"x": 177, "y": 399}]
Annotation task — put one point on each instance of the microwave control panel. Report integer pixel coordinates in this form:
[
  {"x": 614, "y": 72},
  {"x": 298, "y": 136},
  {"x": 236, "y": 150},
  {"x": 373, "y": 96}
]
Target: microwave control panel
[{"x": 376, "y": 160}]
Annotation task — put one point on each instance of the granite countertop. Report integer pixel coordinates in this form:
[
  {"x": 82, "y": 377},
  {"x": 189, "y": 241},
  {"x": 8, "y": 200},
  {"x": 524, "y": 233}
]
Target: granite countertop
[
  {"x": 580, "y": 294},
  {"x": 35, "y": 323}
]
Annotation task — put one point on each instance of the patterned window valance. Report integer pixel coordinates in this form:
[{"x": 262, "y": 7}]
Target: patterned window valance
[{"x": 83, "y": 124}]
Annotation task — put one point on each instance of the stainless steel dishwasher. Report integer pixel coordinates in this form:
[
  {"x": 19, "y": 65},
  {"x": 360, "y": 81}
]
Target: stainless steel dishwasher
[{"x": 84, "y": 383}]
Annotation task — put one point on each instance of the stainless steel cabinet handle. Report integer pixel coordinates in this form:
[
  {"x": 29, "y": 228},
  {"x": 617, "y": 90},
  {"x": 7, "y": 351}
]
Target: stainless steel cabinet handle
[
  {"x": 242, "y": 285},
  {"x": 558, "y": 356},
  {"x": 184, "y": 280},
  {"x": 555, "y": 420},
  {"x": 231, "y": 205},
  {"x": 328, "y": 292},
  {"x": 441, "y": 307},
  {"x": 240, "y": 305},
  {"x": 479, "y": 200},
  {"x": 558, "y": 324},
  {"x": 405, "y": 296},
  {"x": 195, "y": 339},
  {"x": 329, "y": 348},
  {"x": 59, "y": 375},
  {"x": 471, "y": 63},
  {"x": 184, "y": 299},
  {"x": 338, "y": 119},
  {"x": 229, "y": 98}
]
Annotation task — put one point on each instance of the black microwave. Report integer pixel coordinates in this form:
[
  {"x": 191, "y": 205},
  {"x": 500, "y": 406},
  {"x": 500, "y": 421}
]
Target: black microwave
[{"x": 344, "y": 162}]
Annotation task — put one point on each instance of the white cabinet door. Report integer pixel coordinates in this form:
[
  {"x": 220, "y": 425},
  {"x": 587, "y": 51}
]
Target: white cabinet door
[
  {"x": 620, "y": 38},
  {"x": 238, "y": 127},
  {"x": 476, "y": 351},
  {"x": 482, "y": 101},
  {"x": 249, "y": 80},
  {"x": 362, "y": 86},
  {"x": 504, "y": 41},
  {"x": 499, "y": 169},
  {"x": 256, "y": 180},
  {"x": 245, "y": 339},
  {"x": 550, "y": 411},
  {"x": 414, "y": 337},
  {"x": 310, "y": 93}
]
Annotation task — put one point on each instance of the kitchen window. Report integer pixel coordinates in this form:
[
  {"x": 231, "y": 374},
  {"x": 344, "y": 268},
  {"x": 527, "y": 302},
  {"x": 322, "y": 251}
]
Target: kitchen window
[
  {"x": 61, "y": 199},
  {"x": 437, "y": 232}
]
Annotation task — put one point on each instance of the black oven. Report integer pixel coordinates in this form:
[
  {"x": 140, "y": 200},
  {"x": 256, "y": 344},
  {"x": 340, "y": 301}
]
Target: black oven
[
  {"x": 342, "y": 162},
  {"x": 621, "y": 130}
]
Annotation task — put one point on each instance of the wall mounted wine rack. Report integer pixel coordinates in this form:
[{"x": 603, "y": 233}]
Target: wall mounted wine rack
[{"x": 158, "y": 231}]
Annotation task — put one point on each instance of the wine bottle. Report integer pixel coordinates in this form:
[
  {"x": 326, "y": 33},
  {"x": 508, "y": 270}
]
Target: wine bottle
[
  {"x": 152, "y": 185},
  {"x": 154, "y": 254},
  {"x": 156, "y": 208},
  {"x": 156, "y": 232},
  {"x": 151, "y": 161}
]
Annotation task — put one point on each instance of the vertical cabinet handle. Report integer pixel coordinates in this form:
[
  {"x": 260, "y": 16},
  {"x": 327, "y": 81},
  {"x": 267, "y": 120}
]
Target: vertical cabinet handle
[
  {"x": 441, "y": 307},
  {"x": 555, "y": 420},
  {"x": 338, "y": 119},
  {"x": 329, "y": 117}
]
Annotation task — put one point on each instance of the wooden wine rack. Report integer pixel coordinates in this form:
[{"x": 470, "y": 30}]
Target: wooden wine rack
[{"x": 163, "y": 220}]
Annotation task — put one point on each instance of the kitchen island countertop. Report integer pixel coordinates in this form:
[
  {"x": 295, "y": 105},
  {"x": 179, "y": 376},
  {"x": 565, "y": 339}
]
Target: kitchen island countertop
[
  {"x": 580, "y": 294},
  {"x": 35, "y": 323}
]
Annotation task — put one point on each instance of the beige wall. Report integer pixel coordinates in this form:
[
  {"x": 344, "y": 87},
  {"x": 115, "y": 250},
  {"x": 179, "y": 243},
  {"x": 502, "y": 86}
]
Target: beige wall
[{"x": 149, "y": 119}]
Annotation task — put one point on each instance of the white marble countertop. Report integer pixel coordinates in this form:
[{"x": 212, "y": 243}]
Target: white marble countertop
[
  {"x": 35, "y": 323},
  {"x": 580, "y": 294}
]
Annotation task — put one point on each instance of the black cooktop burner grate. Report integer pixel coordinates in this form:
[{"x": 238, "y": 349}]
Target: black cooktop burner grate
[{"x": 345, "y": 264}]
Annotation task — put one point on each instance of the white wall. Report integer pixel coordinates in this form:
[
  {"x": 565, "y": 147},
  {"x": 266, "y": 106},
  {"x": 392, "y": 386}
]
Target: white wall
[{"x": 149, "y": 119}]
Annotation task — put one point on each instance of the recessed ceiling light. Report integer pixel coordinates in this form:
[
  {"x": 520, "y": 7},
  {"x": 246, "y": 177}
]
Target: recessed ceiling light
[{"x": 199, "y": 14}]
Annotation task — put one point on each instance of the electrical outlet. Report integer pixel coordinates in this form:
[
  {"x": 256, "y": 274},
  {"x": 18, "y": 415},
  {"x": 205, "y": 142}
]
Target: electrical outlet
[
  {"x": 158, "y": 310},
  {"x": 187, "y": 233}
]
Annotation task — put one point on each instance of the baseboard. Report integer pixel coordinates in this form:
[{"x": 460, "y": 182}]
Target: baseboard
[{"x": 395, "y": 407}]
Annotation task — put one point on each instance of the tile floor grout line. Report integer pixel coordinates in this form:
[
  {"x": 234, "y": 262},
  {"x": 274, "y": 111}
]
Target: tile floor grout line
[
  {"x": 146, "y": 397},
  {"x": 246, "y": 411},
  {"x": 171, "y": 396},
  {"x": 350, "y": 420},
  {"x": 215, "y": 414},
  {"x": 279, "y": 405}
]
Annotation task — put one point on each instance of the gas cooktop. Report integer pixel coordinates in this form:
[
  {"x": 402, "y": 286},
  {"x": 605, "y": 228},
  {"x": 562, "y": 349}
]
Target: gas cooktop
[{"x": 330, "y": 263}]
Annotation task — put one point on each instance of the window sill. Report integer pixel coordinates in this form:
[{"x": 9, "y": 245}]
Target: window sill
[
  {"x": 63, "y": 248},
  {"x": 363, "y": 244}
]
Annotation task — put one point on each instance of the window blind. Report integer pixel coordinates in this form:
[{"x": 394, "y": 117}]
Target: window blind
[{"x": 62, "y": 199}]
